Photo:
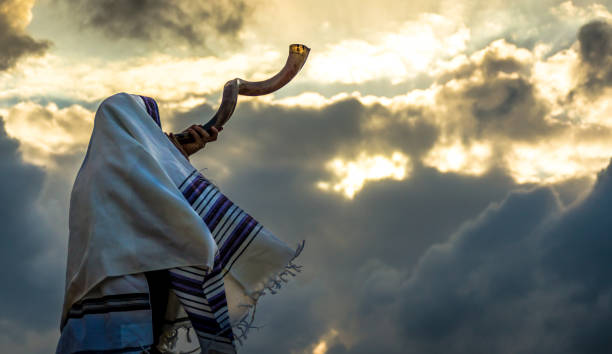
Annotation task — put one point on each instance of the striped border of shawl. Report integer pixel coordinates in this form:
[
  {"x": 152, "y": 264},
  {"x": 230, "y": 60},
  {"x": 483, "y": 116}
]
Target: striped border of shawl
[
  {"x": 203, "y": 294},
  {"x": 152, "y": 109},
  {"x": 233, "y": 230},
  {"x": 110, "y": 303}
]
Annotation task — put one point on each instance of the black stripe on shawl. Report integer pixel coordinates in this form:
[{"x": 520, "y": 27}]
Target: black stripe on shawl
[
  {"x": 109, "y": 308},
  {"x": 122, "y": 350},
  {"x": 110, "y": 303},
  {"x": 114, "y": 298}
]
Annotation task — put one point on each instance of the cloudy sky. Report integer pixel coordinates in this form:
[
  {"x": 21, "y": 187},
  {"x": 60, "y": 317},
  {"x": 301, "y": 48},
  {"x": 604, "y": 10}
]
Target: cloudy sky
[{"x": 445, "y": 161}]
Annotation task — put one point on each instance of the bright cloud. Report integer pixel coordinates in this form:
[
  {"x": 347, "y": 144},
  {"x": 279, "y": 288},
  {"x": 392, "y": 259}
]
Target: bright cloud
[
  {"x": 47, "y": 131},
  {"x": 557, "y": 161},
  {"x": 19, "y": 11},
  {"x": 162, "y": 76},
  {"x": 471, "y": 160},
  {"x": 575, "y": 133},
  {"x": 323, "y": 345},
  {"x": 554, "y": 77},
  {"x": 395, "y": 56},
  {"x": 351, "y": 176},
  {"x": 569, "y": 12},
  {"x": 414, "y": 98}
]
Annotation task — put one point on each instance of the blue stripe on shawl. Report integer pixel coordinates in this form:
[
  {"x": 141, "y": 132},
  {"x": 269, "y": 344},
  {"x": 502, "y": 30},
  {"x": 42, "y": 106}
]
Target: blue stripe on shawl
[{"x": 152, "y": 109}]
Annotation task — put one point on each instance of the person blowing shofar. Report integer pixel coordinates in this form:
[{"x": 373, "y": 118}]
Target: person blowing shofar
[{"x": 156, "y": 247}]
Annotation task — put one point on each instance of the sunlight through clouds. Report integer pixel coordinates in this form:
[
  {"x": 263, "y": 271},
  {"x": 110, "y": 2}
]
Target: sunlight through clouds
[
  {"x": 20, "y": 12},
  {"x": 396, "y": 103},
  {"x": 165, "y": 77},
  {"x": 47, "y": 131},
  {"x": 321, "y": 348},
  {"x": 395, "y": 56},
  {"x": 472, "y": 160},
  {"x": 325, "y": 342},
  {"x": 550, "y": 163},
  {"x": 351, "y": 176},
  {"x": 554, "y": 77},
  {"x": 592, "y": 111}
]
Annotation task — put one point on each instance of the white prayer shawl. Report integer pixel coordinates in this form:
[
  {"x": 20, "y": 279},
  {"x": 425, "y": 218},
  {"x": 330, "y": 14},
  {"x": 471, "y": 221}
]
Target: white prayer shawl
[
  {"x": 128, "y": 216},
  {"x": 126, "y": 213}
]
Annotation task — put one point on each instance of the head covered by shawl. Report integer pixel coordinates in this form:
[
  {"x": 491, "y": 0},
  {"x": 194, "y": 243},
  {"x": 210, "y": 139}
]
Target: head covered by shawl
[{"x": 127, "y": 214}]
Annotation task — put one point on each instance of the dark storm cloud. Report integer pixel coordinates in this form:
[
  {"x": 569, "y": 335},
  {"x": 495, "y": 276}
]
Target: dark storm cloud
[
  {"x": 14, "y": 42},
  {"x": 349, "y": 246},
  {"x": 525, "y": 276},
  {"x": 595, "y": 40},
  {"x": 491, "y": 66},
  {"x": 30, "y": 293},
  {"x": 494, "y": 98},
  {"x": 151, "y": 20},
  {"x": 508, "y": 106},
  {"x": 595, "y": 72}
]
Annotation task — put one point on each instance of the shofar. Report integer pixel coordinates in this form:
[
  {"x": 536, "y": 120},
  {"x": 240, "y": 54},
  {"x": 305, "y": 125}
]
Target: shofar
[{"x": 297, "y": 57}]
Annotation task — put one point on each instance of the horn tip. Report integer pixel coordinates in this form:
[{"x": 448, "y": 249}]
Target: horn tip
[{"x": 299, "y": 49}]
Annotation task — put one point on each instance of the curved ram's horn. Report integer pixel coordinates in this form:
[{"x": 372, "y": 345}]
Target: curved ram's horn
[{"x": 297, "y": 57}]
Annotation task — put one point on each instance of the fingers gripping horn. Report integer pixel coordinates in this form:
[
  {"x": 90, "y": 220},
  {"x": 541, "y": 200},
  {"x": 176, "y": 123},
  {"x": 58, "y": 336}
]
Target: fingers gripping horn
[{"x": 297, "y": 57}]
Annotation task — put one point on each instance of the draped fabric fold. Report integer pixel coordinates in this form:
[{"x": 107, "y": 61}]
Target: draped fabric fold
[{"x": 138, "y": 206}]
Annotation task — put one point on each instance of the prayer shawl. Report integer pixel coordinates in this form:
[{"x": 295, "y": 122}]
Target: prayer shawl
[{"x": 139, "y": 206}]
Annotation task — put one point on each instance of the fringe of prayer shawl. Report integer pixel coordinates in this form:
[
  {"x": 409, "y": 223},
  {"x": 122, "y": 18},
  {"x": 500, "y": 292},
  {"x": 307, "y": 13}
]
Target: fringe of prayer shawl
[
  {"x": 202, "y": 295},
  {"x": 246, "y": 322}
]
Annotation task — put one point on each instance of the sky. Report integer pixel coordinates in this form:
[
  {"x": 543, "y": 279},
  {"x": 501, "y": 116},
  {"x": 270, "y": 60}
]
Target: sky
[{"x": 447, "y": 162}]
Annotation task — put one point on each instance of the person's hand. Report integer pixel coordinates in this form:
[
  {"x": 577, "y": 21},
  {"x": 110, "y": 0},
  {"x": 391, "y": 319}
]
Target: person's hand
[{"x": 200, "y": 136}]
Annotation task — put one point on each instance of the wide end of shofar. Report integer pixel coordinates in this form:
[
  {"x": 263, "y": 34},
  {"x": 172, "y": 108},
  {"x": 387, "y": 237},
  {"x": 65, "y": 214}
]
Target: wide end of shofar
[{"x": 298, "y": 53}]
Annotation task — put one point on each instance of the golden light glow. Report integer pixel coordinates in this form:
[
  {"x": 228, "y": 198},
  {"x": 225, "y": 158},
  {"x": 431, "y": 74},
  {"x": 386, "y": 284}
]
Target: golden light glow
[
  {"x": 323, "y": 345},
  {"x": 395, "y": 56},
  {"x": 414, "y": 98},
  {"x": 351, "y": 176},
  {"x": 306, "y": 100},
  {"x": 164, "y": 77},
  {"x": 558, "y": 162},
  {"x": 472, "y": 160},
  {"x": 579, "y": 148},
  {"x": 554, "y": 78},
  {"x": 592, "y": 111},
  {"x": 321, "y": 348},
  {"x": 185, "y": 105},
  {"x": 17, "y": 12},
  {"x": 44, "y": 131}
]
